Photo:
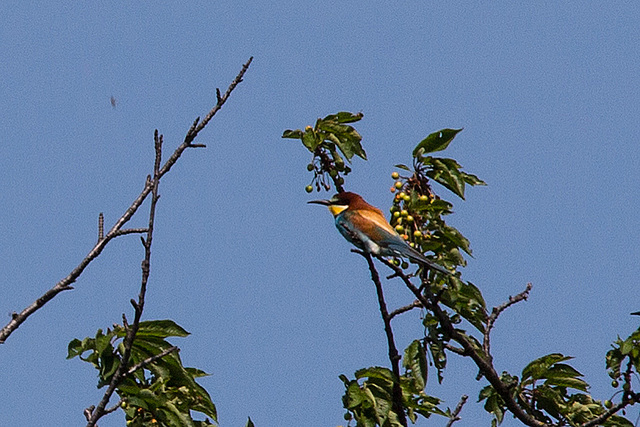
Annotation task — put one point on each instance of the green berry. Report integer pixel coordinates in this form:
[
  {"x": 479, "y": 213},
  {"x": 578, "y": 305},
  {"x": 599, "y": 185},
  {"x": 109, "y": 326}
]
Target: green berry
[
  {"x": 310, "y": 167},
  {"x": 308, "y": 189},
  {"x": 404, "y": 212},
  {"x": 409, "y": 218},
  {"x": 402, "y": 195},
  {"x": 417, "y": 233},
  {"x": 424, "y": 198},
  {"x": 396, "y": 214},
  {"x": 608, "y": 404},
  {"x": 398, "y": 184},
  {"x": 333, "y": 173},
  {"x": 615, "y": 383},
  {"x": 395, "y": 175},
  {"x": 399, "y": 228},
  {"x": 405, "y": 265}
]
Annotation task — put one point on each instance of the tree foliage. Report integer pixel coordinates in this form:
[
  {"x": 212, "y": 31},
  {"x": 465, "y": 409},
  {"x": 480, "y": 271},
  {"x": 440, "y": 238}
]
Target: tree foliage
[{"x": 547, "y": 392}]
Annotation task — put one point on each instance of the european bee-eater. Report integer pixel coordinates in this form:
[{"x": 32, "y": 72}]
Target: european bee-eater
[{"x": 366, "y": 227}]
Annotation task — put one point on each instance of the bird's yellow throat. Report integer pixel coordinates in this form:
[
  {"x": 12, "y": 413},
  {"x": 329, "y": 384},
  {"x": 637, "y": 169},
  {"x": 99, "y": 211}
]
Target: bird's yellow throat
[{"x": 336, "y": 209}]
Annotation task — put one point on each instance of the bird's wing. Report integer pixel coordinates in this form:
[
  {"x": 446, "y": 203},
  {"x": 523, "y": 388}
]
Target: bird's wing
[
  {"x": 376, "y": 227},
  {"x": 373, "y": 225}
]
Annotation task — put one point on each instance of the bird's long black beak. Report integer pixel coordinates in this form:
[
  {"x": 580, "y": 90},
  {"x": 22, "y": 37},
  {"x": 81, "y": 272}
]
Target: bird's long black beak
[{"x": 320, "y": 202}]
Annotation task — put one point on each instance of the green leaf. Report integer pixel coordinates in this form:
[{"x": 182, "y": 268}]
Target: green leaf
[
  {"x": 415, "y": 362},
  {"x": 436, "y": 141},
  {"x": 375, "y": 372},
  {"x": 344, "y": 117},
  {"x": 293, "y": 134},
  {"x": 447, "y": 172},
  {"x": 403, "y": 167},
  {"x": 538, "y": 368},
  {"x": 310, "y": 139},
  {"x": 249, "y": 423},
  {"x": 161, "y": 328},
  {"x": 345, "y": 137}
]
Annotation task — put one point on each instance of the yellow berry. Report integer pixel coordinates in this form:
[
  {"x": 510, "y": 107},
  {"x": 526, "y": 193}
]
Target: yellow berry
[
  {"x": 396, "y": 214},
  {"x": 417, "y": 233},
  {"x": 398, "y": 184},
  {"x": 409, "y": 218},
  {"x": 395, "y": 175},
  {"x": 404, "y": 212},
  {"x": 399, "y": 228},
  {"x": 424, "y": 198},
  {"x": 308, "y": 189},
  {"x": 402, "y": 195}
]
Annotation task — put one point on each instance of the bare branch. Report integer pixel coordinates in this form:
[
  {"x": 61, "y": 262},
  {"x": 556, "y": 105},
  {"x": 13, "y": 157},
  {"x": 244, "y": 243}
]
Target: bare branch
[
  {"x": 130, "y": 231},
  {"x": 132, "y": 330},
  {"x": 455, "y": 416},
  {"x": 394, "y": 357},
  {"x": 409, "y": 307},
  {"x": 486, "y": 344},
  {"x": 478, "y": 356},
  {"x": 65, "y": 284},
  {"x": 456, "y": 350}
]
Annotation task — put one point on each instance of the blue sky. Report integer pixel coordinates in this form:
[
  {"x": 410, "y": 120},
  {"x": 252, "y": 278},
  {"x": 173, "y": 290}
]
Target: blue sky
[{"x": 278, "y": 307}]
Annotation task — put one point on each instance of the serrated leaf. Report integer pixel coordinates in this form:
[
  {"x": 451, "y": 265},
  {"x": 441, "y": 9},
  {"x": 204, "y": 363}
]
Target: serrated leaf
[
  {"x": 161, "y": 329},
  {"x": 575, "y": 383},
  {"x": 344, "y": 117},
  {"x": 293, "y": 134},
  {"x": 375, "y": 372},
  {"x": 436, "y": 141},
  {"x": 415, "y": 362},
  {"x": 447, "y": 173},
  {"x": 539, "y": 367}
]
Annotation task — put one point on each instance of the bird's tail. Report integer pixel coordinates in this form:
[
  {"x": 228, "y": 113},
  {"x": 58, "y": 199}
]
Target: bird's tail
[{"x": 416, "y": 256}]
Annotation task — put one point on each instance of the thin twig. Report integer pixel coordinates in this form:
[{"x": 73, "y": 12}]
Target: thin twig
[
  {"x": 100, "y": 226},
  {"x": 394, "y": 357},
  {"x": 486, "y": 344},
  {"x": 455, "y": 416},
  {"x": 130, "y": 231},
  {"x": 132, "y": 329},
  {"x": 65, "y": 284},
  {"x": 456, "y": 350},
  {"x": 408, "y": 307},
  {"x": 149, "y": 360}
]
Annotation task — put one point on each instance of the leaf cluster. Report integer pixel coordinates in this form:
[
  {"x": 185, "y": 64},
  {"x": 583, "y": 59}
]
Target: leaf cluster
[
  {"x": 544, "y": 390},
  {"x": 331, "y": 141},
  {"x": 161, "y": 392},
  {"x": 418, "y": 213},
  {"x": 369, "y": 399}
]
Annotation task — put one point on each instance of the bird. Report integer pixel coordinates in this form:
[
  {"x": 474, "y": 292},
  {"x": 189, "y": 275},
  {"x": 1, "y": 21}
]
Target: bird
[{"x": 365, "y": 226}]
